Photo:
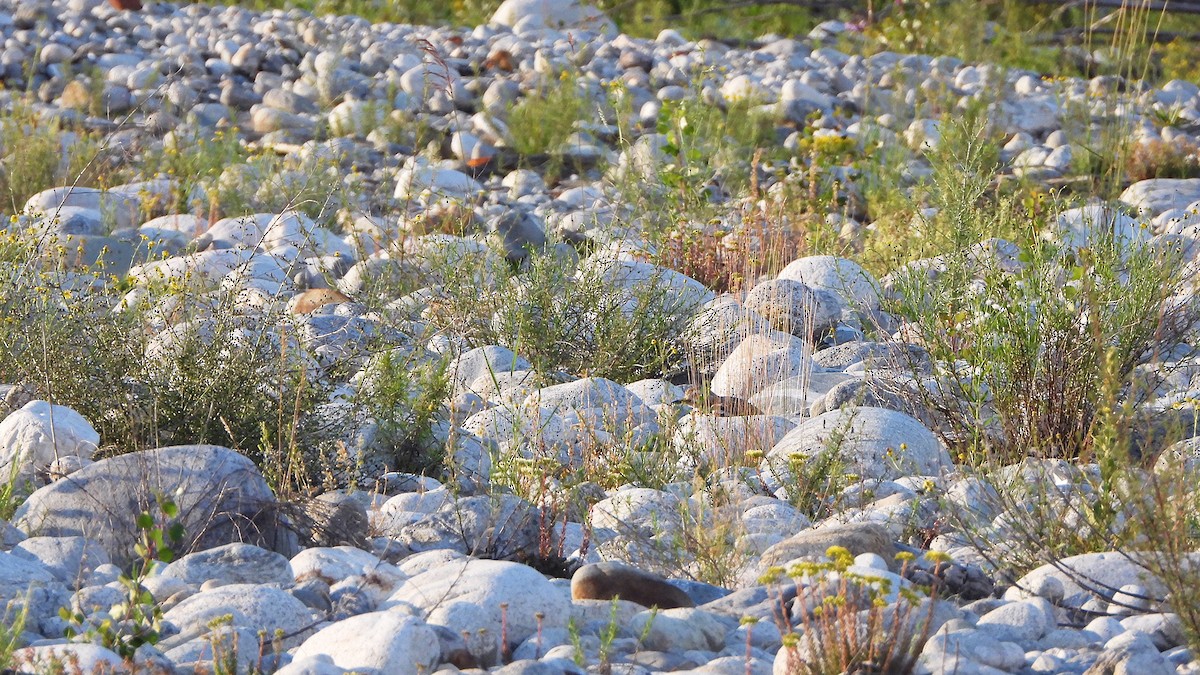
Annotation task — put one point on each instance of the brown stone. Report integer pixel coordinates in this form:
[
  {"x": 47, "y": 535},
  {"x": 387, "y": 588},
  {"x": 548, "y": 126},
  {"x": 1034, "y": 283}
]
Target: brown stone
[
  {"x": 608, "y": 580},
  {"x": 76, "y": 95},
  {"x": 314, "y": 298},
  {"x": 133, "y": 5},
  {"x": 500, "y": 60}
]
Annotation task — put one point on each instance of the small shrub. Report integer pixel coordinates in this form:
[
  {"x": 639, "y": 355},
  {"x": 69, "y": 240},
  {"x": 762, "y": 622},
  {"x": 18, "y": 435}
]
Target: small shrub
[
  {"x": 1160, "y": 159},
  {"x": 708, "y": 148},
  {"x": 733, "y": 260},
  {"x": 196, "y": 164},
  {"x": 574, "y": 320},
  {"x": 853, "y": 622},
  {"x": 541, "y": 121},
  {"x": 404, "y": 396},
  {"x": 208, "y": 378},
  {"x": 12, "y": 624},
  {"x": 1180, "y": 60},
  {"x": 41, "y": 155}
]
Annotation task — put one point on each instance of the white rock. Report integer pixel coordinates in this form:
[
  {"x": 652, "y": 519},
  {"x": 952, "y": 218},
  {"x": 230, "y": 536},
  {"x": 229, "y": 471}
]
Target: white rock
[
  {"x": 1153, "y": 196},
  {"x": 857, "y": 288},
  {"x": 760, "y": 361},
  {"x": 489, "y": 584},
  {"x": 795, "y": 307},
  {"x": 431, "y": 183},
  {"x": 251, "y": 606},
  {"x": 339, "y": 562},
  {"x": 84, "y": 658},
  {"x": 601, "y": 403},
  {"x": 39, "y": 433},
  {"x": 1035, "y": 115},
  {"x": 380, "y": 641},
  {"x": 796, "y": 395},
  {"x": 1130, "y": 599},
  {"x": 1025, "y": 620},
  {"x": 123, "y": 209},
  {"x": 638, "y": 512},
  {"x": 425, "y": 561},
  {"x": 874, "y": 442},
  {"x": 1094, "y": 225},
  {"x": 234, "y": 563},
  {"x": 470, "y": 148},
  {"x": 654, "y": 391},
  {"x": 70, "y": 559},
  {"x": 743, "y": 87},
  {"x": 679, "y": 629},
  {"x": 319, "y": 664},
  {"x": 29, "y": 583},
  {"x": 644, "y": 287},
  {"x": 238, "y": 644},
  {"x": 923, "y": 135},
  {"x": 541, "y": 431},
  {"x": 796, "y": 90},
  {"x": 720, "y": 325},
  {"x": 1030, "y": 157},
  {"x": 777, "y": 518},
  {"x": 557, "y": 14},
  {"x": 977, "y": 645},
  {"x": 1177, "y": 93},
  {"x": 472, "y": 622},
  {"x": 1060, "y": 158},
  {"x": 724, "y": 441},
  {"x": 356, "y": 118}
]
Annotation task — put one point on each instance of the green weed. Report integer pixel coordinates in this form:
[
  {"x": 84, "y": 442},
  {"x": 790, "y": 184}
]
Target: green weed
[{"x": 137, "y": 620}]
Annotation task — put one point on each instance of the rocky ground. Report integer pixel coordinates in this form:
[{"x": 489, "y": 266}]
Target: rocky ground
[{"x": 449, "y": 572}]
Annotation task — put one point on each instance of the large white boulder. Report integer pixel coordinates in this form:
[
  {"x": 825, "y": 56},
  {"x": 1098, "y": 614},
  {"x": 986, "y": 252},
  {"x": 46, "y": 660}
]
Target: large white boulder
[
  {"x": 39, "y": 433},
  {"x": 511, "y": 594},
  {"x": 220, "y": 494},
  {"x": 120, "y": 208},
  {"x": 761, "y": 361},
  {"x": 870, "y": 442},
  {"x": 857, "y": 288},
  {"x": 253, "y": 606},
  {"x": 557, "y": 14},
  {"x": 724, "y": 441},
  {"x": 378, "y": 641},
  {"x": 1153, "y": 196},
  {"x": 431, "y": 183},
  {"x": 596, "y": 401}
]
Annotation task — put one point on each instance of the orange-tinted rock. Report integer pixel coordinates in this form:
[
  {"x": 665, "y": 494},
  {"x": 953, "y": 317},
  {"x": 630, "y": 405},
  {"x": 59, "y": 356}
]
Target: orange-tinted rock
[
  {"x": 133, "y": 5},
  {"x": 607, "y": 580},
  {"x": 314, "y": 298}
]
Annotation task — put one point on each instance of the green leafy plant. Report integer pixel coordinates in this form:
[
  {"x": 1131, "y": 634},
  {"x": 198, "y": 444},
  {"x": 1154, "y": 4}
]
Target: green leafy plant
[
  {"x": 137, "y": 620},
  {"x": 608, "y": 634},
  {"x": 560, "y": 317},
  {"x": 701, "y": 137},
  {"x": 12, "y": 624},
  {"x": 404, "y": 396},
  {"x": 542, "y": 121},
  {"x": 44, "y": 154}
]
